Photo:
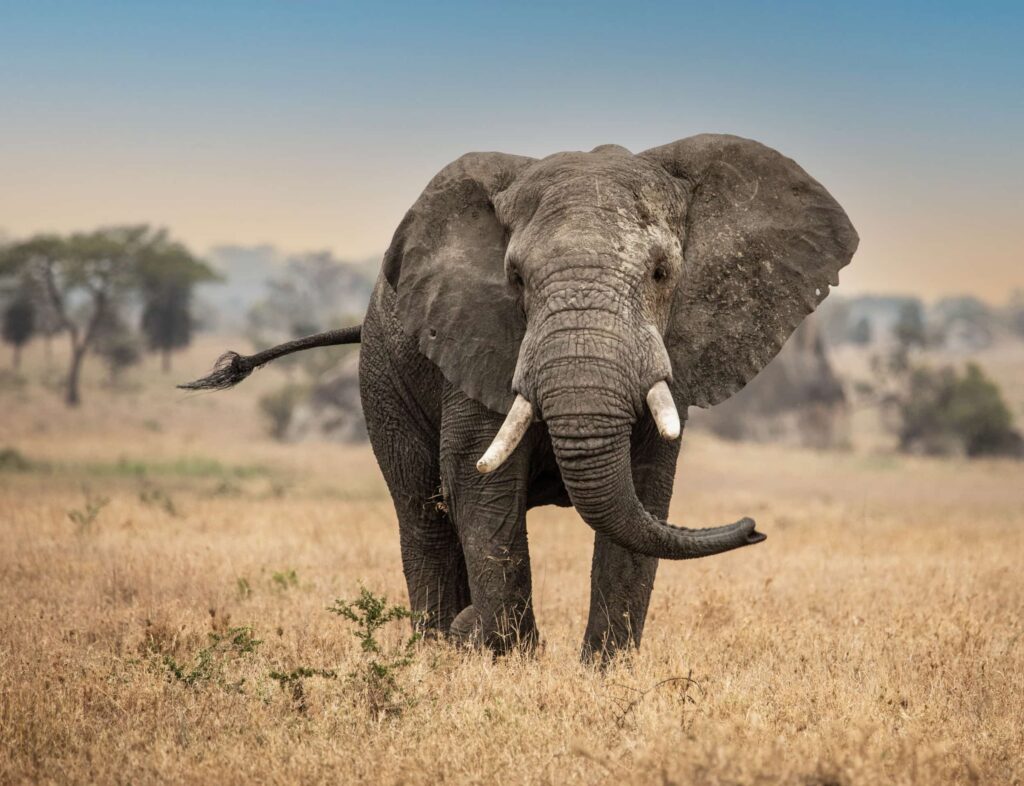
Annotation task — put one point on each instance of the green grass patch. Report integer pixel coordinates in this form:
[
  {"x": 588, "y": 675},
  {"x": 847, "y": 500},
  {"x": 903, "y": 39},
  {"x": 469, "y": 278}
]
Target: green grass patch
[
  {"x": 185, "y": 467},
  {"x": 879, "y": 462},
  {"x": 12, "y": 460}
]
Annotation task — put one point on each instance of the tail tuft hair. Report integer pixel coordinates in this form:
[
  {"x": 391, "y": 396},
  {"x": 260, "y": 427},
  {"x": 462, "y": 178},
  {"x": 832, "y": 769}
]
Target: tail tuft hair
[{"x": 230, "y": 369}]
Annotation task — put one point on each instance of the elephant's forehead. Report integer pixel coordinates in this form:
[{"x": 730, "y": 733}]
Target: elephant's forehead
[
  {"x": 609, "y": 179},
  {"x": 614, "y": 168}
]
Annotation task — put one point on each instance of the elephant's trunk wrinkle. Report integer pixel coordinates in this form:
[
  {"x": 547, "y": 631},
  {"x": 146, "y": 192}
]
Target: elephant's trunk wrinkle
[
  {"x": 568, "y": 273},
  {"x": 585, "y": 354},
  {"x": 604, "y": 332},
  {"x": 580, "y": 316}
]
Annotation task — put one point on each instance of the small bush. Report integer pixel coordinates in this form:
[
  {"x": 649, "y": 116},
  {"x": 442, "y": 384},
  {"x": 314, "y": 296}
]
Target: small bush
[
  {"x": 293, "y": 682},
  {"x": 12, "y": 460},
  {"x": 158, "y": 498},
  {"x": 243, "y": 588},
  {"x": 278, "y": 408},
  {"x": 208, "y": 666},
  {"x": 83, "y": 518},
  {"x": 285, "y": 579},
  {"x": 227, "y": 488},
  {"x": 378, "y": 674},
  {"x": 944, "y": 411}
]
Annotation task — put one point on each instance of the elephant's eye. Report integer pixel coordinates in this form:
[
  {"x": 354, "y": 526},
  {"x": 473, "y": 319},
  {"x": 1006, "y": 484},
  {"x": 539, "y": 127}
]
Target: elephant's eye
[
  {"x": 660, "y": 273},
  {"x": 515, "y": 277}
]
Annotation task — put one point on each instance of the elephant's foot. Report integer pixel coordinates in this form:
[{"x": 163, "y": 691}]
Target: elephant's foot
[
  {"x": 601, "y": 651},
  {"x": 608, "y": 638},
  {"x": 505, "y": 633},
  {"x": 466, "y": 627}
]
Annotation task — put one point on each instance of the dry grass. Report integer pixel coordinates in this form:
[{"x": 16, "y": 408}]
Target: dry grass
[{"x": 875, "y": 638}]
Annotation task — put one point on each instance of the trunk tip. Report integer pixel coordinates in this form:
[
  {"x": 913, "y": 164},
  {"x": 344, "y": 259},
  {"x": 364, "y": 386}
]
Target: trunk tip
[{"x": 753, "y": 536}]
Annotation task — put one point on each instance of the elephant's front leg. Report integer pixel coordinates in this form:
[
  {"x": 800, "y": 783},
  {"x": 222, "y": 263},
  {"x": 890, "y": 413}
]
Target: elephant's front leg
[
  {"x": 489, "y": 512},
  {"x": 621, "y": 580}
]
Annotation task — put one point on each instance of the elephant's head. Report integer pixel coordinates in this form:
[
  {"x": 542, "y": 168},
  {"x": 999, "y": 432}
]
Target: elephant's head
[{"x": 585, "y": 289}]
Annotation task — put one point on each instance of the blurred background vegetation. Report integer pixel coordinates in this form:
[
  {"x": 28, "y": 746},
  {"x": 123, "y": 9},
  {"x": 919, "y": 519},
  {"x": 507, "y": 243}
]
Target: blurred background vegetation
[{"x": 882, "y": 373}]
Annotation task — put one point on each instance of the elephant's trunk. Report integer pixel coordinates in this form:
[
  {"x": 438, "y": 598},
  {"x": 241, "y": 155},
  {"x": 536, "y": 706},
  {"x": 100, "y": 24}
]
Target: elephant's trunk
[
  {"x": 590, "y": 385},
  {"x": 597, "y": 474}
]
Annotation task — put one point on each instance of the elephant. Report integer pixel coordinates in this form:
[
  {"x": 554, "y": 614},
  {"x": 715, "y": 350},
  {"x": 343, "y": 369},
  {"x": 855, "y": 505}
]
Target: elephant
[{"x": 538, "y": 326}]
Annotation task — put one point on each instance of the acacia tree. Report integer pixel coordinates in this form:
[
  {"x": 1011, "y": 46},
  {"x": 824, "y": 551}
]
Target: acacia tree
[
  {"x": 118, "y": 346},
  {"x": 168, "y": 274},
  {"x": 83, "y": 277},
  {"x": 47, "y": 321},
  {"x": 19, "y": 322}
]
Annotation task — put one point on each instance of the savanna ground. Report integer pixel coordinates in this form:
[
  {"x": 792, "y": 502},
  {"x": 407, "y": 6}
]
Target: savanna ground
[{"x": 876, "y": 637}]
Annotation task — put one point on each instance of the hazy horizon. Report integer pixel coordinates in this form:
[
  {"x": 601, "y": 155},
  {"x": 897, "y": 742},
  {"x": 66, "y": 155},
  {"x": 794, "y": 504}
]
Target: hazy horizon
[{"x": 312, "y": 125}]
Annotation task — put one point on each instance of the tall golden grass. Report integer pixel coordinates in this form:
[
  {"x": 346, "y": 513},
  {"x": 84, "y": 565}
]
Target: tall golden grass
[{"x": 876, "y": 637}]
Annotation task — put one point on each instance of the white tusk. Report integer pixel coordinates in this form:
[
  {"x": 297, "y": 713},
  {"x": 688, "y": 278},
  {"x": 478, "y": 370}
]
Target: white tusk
[
  {"x": 659, "y": 399},
  {"x": 518, "y": 420}
]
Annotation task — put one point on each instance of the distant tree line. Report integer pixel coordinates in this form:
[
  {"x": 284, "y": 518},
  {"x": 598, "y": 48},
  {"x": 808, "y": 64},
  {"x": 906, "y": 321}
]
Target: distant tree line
[
  {"x": 961, "y": 322},
  {"x": 82, "y": 285}
]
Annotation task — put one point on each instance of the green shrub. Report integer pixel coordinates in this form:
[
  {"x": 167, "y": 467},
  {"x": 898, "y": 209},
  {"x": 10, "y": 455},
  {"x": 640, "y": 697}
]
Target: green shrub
[
  {"x": 293, "y": 682},
  {"x": 12, "y": 460},
  {"x": 376, "y": 680},
  {"x": 377, "y": 676},
  {"x": 209, "y": 663},
  {"x": 285, "y": 579},
  {"x": 944, "y": 411},
  {"x": 158, "y": 498},
  {"x": 243, "y": 588},
  {"x": 83, "y": 518}
]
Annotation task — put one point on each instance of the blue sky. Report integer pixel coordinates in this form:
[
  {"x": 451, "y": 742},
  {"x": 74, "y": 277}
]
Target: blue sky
[{"x": 315, "y": 124}]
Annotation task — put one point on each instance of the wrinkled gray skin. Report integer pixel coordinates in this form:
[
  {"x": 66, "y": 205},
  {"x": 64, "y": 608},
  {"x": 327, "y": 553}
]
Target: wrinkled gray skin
[
  {"x": 588, "y": 286},
  {"x": 577, "y": 281}
]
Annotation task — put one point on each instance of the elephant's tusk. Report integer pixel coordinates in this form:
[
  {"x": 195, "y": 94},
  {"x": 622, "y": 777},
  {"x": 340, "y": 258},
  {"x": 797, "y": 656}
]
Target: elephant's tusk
[
  {"x": 518, "y": 420},
  {"x": 663, "y": 408}
]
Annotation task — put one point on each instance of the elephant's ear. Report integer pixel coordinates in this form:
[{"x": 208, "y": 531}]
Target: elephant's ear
[
  {"x": 762, "y": 242},
  {"x": 446, "y": 264}
]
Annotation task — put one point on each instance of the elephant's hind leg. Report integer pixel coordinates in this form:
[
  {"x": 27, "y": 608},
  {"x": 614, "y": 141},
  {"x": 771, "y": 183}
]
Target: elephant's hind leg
[
  {"x": 435, "y": 571},
  {"x": 397, "y": 385}
]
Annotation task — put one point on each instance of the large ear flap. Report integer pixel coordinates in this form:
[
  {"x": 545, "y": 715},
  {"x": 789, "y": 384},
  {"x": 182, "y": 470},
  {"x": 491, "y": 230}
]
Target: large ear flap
[
  {"x": 762, "y": 243},
  {"x": 446, "y": 263}
]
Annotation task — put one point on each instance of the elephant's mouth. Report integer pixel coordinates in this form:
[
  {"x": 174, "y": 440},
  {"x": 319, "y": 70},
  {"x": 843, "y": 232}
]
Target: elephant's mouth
[{"x": 521, "y": 415}]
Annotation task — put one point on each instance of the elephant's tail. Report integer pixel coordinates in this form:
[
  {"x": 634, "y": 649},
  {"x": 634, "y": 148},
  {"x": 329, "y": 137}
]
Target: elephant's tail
[{"x": 231, "y": 368}]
